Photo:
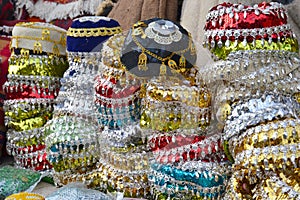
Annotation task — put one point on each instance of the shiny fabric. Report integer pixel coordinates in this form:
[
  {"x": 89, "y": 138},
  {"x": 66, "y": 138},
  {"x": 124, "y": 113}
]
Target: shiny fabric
[
  {"x": 31, "y": 123},
  {"x": 30, "y": 92},
  {"x": 264, "y": 15},
  {"x": 38, "y": 66},
  {"x": 288, "y": 44},
  {"x": 14, "y": 180}
]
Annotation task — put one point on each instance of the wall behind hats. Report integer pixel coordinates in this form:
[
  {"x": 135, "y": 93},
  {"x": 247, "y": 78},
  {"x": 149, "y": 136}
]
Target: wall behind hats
[
  {"x": 193, "y": 16},
  {"x": 129, "y": 12}
]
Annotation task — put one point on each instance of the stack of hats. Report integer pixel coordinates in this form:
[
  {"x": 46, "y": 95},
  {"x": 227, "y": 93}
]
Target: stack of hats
[
  {"x": 37, "y": 62},
  {"x": 71, "y": 135},
  {"x": 123, "y": 165},
  {"x": 257, "y": 104},
  {"x": 175, "y": 112},
  {"x": 189, "y": 162}
]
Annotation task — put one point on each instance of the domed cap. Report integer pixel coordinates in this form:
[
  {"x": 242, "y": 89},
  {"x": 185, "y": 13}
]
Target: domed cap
[
  {"x": 39, "y": 37},
  {"x": 86, "y": 33},
  {"x": 232, "y": 27}
]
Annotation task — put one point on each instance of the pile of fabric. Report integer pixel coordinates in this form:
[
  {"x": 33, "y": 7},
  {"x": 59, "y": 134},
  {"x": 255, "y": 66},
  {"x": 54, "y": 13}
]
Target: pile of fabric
[
  {"x": 50, "y": 10},
  {"x": 37, "y": 62}
]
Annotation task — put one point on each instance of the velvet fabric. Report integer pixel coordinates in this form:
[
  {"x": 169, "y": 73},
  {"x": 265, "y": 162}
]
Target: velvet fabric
[
  {"x": 130, "y": 53},
  {"x": 89, "y": 44}
]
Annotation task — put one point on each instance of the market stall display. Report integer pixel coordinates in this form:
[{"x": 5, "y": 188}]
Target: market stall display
[{"x": 127, "y": 114}]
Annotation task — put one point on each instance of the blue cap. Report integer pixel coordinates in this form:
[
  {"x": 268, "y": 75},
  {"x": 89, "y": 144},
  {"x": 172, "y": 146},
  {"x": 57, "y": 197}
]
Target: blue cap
[{"x": 87, "y": 34}]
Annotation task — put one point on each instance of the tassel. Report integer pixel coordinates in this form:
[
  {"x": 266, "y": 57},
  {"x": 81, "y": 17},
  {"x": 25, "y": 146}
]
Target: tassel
[
  {"x": 143, "y": 90},
  {"x": 193, "y": 49},
  {"x": 182, "y": 61},
  {"x": 63, "y": 40},
  {"x": 45, "y": 34},
  {"x": 55, "y": 50},
  {"x": 25, "y": 52},
  {"x": 172, "y": 64},
  {"x": 37, "y": 48},
  {"x": 142, "y": 62},
  {"x": 139, "y": 31},
  {"x": 163, "y": 69}
]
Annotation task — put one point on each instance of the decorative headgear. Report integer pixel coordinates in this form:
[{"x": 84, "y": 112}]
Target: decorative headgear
[
  {"x": 191, "y": 180},
  {"x": 84, "y": 42},
  {"x": 110, "y": 66},
  {"x": 158, "y": 47},
  {"x": 123, "y": 163},
  {"x": 39, "y": 37},
  {"x": 71, "y": 145},
  {"x": 179, "y": 107},
  {"x": 70, "y": 142},
  {"x": 117, "y": 99},
  {"x": 261, "y": 137},
  {"x": 232, "y": 27},
  {"x": 257, "y": 102},
  {"x": 37, "y": 62},
  {"x": 87, "y": 34},
  {"x": 85, "y": 38}
]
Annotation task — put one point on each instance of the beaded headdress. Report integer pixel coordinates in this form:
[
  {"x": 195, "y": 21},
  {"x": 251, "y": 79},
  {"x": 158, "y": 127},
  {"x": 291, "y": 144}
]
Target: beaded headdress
[
  {"x": 252, "y": 45},
  {"x": 232, "y": 27},
  {"x": 175, "y": 117},
  {"x": 158, "y": 47},
  {"x": 123, "y": 156}
]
